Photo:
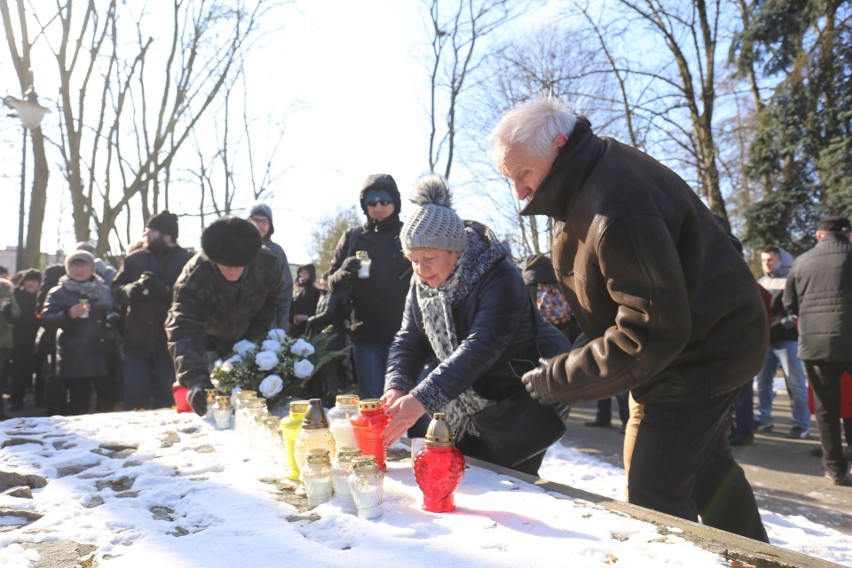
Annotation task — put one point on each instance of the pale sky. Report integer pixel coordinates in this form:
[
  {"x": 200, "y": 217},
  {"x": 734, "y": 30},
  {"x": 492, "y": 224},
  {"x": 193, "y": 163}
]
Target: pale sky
[{"x": 353, "y": 72}]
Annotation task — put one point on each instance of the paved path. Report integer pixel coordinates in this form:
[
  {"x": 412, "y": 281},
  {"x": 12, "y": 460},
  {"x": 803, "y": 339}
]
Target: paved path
[{"x": 786, "y": 478}]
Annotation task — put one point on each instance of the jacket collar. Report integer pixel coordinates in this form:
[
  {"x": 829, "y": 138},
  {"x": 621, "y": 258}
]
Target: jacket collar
[{"x": 570, "y": 169}]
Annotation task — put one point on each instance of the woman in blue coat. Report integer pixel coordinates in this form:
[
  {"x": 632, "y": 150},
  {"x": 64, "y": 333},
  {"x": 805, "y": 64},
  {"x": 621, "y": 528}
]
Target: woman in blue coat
[{"x": 469, "y": 310}]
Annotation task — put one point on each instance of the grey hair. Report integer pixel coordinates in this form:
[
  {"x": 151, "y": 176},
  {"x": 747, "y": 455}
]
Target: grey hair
[{"x": 531, "y": 129}]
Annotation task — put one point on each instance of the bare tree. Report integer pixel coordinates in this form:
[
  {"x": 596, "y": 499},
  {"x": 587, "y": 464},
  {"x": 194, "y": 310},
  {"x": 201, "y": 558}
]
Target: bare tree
[
  {"x": 458, "y": 36},
  {"x": 21, "y": 55},
  {"x": 690, "y": 33},
  {"x": 238, "y": 139},
  {"x": 133, "y": 88}
]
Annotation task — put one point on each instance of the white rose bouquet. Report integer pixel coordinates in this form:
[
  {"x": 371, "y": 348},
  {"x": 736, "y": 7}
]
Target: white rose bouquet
[{"x": 276, "y": 367}]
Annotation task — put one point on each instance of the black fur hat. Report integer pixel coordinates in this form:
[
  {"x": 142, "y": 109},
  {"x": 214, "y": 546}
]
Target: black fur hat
[
  {"x": 165, "y": 222},
  {"x": 231, "y": 241}
]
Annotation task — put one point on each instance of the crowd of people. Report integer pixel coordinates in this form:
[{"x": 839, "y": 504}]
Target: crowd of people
[{"x": 646, "y": 299}]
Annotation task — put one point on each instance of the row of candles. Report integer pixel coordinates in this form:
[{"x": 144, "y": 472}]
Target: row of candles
[{"x": 340, "y": 452}]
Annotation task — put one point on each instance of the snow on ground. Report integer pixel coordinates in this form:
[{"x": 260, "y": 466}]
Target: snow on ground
[{"x": 160, "y": 488}]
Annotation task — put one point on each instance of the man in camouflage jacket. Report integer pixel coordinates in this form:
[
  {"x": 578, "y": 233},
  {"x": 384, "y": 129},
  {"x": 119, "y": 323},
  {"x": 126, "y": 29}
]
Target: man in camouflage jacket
[{"x": 226, "y": 293}]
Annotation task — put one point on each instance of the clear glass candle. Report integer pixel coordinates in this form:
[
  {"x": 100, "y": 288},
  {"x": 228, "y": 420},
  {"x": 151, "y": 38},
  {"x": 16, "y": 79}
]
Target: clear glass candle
[
  {"x": 366, "y": 483},
  {"x": 339, "y": 419},
  {"x": 341, "y": 469},
  {"x": 211, "y": 400},
  {"x": 222, "y": 412},
  {"x": 317, "y": 477},
  {"x": 239, "y": 401}
]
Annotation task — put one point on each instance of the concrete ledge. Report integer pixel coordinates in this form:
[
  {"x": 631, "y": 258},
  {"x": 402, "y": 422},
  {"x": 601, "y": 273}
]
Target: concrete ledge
[{"x": 743, "y": 552}]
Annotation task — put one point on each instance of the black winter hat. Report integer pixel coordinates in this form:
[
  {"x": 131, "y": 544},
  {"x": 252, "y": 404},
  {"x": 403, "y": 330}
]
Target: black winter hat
[
  {"x": 380, "y": 182},
  {"x": 231, "y": 241},
  {"x": 164, "y": 222},
  {"x": 834, "y": 223}
]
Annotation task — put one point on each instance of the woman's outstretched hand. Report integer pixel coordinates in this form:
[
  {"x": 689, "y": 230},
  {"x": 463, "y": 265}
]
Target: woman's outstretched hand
[{"x": 404, "y": 411}]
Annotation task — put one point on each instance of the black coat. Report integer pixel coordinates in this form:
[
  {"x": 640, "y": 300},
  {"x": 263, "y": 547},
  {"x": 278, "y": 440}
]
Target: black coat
[
  {"x": 27, "y": 324},
  {"x": 305, "y": 298},
  {"x": 819, "y": 291},
  {"x": 377, "y": 301},
  {"x": 331, "y": 311},
  {"x": 84, "y": 345},
  {"x": 144, "y": 331}
]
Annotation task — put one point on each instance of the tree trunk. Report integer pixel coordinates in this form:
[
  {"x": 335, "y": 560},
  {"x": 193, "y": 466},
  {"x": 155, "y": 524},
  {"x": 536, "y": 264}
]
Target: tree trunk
[{"x": 38, "y": 201}]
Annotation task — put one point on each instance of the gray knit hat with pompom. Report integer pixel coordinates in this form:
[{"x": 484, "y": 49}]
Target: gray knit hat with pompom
[{"x": 433, "y": 224}]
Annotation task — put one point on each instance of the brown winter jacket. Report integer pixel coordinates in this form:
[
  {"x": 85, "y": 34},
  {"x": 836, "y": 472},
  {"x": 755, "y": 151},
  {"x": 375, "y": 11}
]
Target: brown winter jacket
[
  {"x": 670, "y": 310},
  {"x": 210, "y": 314}
]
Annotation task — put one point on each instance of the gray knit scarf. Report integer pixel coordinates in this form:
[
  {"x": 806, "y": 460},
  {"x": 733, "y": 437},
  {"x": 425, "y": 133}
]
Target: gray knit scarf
[
  {"x": 436, "y": 307},
  {"x": 91, "y": 289}
]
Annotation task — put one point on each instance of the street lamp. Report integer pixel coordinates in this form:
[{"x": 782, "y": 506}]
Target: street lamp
[{"x": 30, "y": 114}]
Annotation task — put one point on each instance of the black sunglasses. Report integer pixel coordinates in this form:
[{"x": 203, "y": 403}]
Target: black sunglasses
[{"x": 374, "y": 202}]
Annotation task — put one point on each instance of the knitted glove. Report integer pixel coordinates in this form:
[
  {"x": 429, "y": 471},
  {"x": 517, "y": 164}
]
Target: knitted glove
[{"x": 197, "y": 398}]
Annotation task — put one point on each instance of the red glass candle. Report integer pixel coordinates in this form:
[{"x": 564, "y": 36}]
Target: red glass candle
[
  {"x": 439, "y": 467},
  {"x": 369, "y": 424}
]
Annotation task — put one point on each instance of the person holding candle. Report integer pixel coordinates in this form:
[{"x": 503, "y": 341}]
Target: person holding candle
[
  {"x": 82, "y": 311},
  {"x": 468, "y": 308}
]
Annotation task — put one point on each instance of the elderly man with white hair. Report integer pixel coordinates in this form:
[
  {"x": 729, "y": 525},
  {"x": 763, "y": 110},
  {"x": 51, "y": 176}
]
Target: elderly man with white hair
[{"x": 669, "y": 309}]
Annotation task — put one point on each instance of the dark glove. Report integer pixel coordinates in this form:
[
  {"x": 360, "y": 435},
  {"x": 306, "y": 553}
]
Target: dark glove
[
  {"x": 136, "y": 291},
  {"x": 790, "y": 321},
  {"x": 112, "y": 320},
  {"x": 7, "y": 309},
  {"x": 197, "y": 398},
  {"x": 154, "y": 286},
  {"x": 350, "y": 266},
  {"x": 535, "y": 382}
]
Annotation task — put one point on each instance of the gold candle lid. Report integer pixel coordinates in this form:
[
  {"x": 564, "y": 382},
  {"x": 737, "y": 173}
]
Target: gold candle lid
[
  {"x": 246, "y": 394},
  {"x": 347, "y": 453},
  {"x": 439, "y": 434},
  {"x": 318, "y": 456},
  {"x": 348, "y": 399},
  {"x": 223, "y": 400},
  {"x": 370, "y": 404},
  {"x": 315, "y": 418},
  {"x": 298, "y": 406},
  {"x": 364, "y": 463}
]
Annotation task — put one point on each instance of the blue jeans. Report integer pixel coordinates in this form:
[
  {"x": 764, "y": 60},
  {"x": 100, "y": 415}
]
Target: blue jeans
[
  {"x": 783, "y": 353},
  {"x": 371, "y": 361},
  {"x": 148, "y": 381}
]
